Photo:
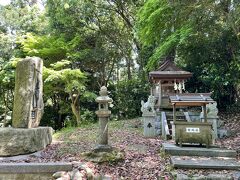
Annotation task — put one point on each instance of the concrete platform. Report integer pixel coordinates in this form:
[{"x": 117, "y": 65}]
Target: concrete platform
[
  {"x": 21, "y": 157},
  {"x": 32, "y": 168},
  {"x": 185, "y": 162},
  {"x": 174, "y": 150}
]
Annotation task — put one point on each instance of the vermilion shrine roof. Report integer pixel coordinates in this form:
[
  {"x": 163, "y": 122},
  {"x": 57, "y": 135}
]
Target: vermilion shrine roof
[{"x": 168, "y": 70}]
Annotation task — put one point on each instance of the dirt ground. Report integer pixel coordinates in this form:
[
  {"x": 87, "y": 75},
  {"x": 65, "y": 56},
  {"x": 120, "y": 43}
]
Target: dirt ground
[{"x": 144, "y": 158}]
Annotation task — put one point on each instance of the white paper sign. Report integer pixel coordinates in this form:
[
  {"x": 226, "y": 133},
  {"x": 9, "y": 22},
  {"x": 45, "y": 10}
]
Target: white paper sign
[{"x": 192, "y": 130}]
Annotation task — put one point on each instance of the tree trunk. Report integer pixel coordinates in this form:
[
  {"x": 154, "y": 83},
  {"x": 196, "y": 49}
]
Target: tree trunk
[
  {"x": 59, "y": 121},
  {"x": 76, "y": 107},
  {"x": 76, "y": 112},
  {"x": 129, "y": 73}
]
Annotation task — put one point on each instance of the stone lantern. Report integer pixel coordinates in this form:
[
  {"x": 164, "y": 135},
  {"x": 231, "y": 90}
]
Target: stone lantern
[{"x": 103, "y": 114}]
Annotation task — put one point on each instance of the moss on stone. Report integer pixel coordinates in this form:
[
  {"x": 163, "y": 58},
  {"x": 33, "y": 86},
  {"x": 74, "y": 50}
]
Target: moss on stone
[{"x": 100, "y": 157}]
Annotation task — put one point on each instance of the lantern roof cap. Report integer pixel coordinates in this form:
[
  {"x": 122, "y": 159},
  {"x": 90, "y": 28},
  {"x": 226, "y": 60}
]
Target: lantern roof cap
[{"x": 103, "y": 98}]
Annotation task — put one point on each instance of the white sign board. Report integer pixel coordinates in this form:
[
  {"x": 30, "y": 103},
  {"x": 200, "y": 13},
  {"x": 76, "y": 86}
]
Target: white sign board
[{"x": 192, "y": 130}]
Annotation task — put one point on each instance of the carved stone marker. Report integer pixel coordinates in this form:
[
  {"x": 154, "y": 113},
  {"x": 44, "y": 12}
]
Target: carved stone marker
[
  {"x": 25, "y": 136},
  {"x": 28, "y": 102},
  {"x": 149, "y": 117}
]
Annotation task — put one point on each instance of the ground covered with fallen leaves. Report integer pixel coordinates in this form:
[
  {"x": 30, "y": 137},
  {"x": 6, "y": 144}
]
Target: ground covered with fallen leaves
[
  {"x": 231, "y": 122},
  {"x": 144, "y": 158}
]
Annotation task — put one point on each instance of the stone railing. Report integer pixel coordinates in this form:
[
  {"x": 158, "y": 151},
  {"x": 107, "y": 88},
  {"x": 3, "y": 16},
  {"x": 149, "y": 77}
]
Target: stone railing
[{"x": 165, "y": 129}]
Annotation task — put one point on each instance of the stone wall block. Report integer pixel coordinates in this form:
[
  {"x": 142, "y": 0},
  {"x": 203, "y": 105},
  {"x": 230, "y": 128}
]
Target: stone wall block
[{"x": 17, "y": 141}]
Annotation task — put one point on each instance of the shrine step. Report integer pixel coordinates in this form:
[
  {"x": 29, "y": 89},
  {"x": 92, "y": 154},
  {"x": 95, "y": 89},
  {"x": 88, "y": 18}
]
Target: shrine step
[
  {"x": 174, "y": 150},
  {"x": 205, "y": 162},
  {"x": 34, "y": 167}
]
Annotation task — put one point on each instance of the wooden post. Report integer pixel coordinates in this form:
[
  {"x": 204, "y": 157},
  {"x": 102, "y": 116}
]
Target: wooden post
[
  {"x": 152, "y": 89},
  {"x": 174, "y": 112},
  {"x": 205, "y": 113},
  {"x": 160, "y": 94}
]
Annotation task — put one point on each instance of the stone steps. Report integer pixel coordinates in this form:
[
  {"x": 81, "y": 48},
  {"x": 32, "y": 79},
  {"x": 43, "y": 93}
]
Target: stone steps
[
  {"x": 174, "y": 150},
  {"x": 31, "y": 168},
  {"x": 32, "y": 171},
  {"x": 186, "y": 162},
  {"x": 194, "y": 157}
]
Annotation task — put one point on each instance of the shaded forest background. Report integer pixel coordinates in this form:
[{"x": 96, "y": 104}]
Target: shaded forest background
[{"x": 87, "y": 44}]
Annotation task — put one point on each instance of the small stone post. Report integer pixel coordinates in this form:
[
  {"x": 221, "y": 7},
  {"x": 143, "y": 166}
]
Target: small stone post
[
  {"x": 212, "y": 117},
  {"x": 103, "y": 115},
  {"x": 149, "y": 117}
]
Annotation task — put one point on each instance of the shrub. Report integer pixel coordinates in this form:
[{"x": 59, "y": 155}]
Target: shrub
[{"x": 127, "y": 96}]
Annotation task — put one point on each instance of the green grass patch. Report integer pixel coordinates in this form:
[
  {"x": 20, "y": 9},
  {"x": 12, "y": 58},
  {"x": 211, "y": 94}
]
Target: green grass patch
[
  {"x": 76, "y": 140},
  {"x": 65, "y": 131},
  {"x": 74, "y": 133}
]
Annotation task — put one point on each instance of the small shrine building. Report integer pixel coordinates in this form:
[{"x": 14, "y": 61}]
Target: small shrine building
[{"x": 168, "y": 79}]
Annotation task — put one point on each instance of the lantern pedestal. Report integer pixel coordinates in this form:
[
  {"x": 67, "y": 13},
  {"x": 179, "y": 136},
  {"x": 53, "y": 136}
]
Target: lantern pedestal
[{"x": 103, "y": 116}]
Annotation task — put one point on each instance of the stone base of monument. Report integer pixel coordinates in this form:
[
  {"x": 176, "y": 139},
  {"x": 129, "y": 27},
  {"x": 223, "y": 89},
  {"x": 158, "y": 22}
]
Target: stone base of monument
[
  {"x": 17, "y": 141},
  {"x": 100, "y": 155}
]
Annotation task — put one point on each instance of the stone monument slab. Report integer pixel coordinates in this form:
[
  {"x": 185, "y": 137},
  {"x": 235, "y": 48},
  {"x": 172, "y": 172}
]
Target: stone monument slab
[{"x": 28, "y": 102}]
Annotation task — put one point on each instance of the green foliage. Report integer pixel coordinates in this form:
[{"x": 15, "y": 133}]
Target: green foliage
[
  {"x": 7, "y": 80},
  {"x": 88, "y": 116},
  {"x": 49, "y": 48},
  {"x": 127, "y": 98},
  {"x": 202, "y": 37},
  {"x": 69, "y": 79},
  {"x": 97, "y": 37},
  {"x": 23, "y": 17},
  {"x": 99, "y": 34},
  {"x": 154, "y": 17},
  {"x": 6, "y": 43},
  {"x": 62, "y": 81},
  {"x": 174, "y": 40}
]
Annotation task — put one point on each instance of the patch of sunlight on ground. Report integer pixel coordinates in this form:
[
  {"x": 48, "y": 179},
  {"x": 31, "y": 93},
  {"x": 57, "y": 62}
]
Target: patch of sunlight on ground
[{"x": 91, "y": 130}]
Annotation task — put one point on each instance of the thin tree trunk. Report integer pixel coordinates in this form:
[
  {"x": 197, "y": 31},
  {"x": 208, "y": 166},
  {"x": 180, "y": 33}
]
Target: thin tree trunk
[
  {"x": 129, "y": 73},
  {"x": 76, "y": 112},
  {"x": 76, "y": 108}
]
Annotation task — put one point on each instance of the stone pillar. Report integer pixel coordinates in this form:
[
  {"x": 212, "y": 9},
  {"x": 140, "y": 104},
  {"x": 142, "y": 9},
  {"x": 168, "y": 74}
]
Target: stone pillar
[
  {"x": 212, "y": 114},
  {"x": 149, "y": 125},
  {"x": 28, "y": 101},
  {"x": 212, "y": 117},
  {"x": 103, "y": 114},
  {"x": 173, "y": 130},
  {"x": 149, "y": 117}
]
